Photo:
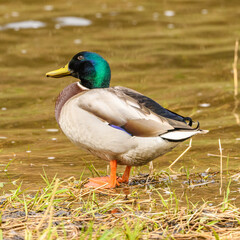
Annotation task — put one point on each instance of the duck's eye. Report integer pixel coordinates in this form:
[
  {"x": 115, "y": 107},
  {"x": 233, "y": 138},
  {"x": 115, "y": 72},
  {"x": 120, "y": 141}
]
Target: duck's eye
[{"x": 80, "y": 57}]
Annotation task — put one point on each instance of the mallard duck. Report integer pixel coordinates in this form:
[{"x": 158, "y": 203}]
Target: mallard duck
[{"x": 116, "y": 124}]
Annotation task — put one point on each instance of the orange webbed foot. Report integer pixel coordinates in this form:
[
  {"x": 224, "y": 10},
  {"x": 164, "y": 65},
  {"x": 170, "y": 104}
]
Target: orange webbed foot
[
  {"x": 102, "y": 182},
  {"x": 110, "y": 181},
  {"x": 105, "y": 182}
]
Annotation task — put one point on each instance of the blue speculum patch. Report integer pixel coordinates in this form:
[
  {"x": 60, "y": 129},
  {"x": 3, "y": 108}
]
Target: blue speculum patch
[{"x": 119, "y": 128}]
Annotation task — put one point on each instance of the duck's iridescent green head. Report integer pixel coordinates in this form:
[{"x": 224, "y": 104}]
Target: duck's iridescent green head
[{"x": 92, "y": 70}]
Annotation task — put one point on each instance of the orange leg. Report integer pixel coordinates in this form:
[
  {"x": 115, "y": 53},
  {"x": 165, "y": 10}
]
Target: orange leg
[
  {"x": 113, "y": 174},
  {"x": 109, "y": 182},
  {"x": 125, "y": 176}
]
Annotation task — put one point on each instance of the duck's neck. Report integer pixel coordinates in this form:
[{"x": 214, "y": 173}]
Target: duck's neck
[{"x": 68, "y": 92}]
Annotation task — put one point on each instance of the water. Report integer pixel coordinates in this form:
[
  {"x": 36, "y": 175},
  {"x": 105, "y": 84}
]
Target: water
[{"x": 179, "y": 53}]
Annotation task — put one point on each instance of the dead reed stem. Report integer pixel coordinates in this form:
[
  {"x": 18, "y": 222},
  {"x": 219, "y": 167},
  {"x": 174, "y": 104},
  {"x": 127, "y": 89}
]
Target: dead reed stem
[
  {"x": 151, "y": 168},
  {"x": 235, "y": 73},
  {"x": 221, "y": 167},
  {"x": 189, "y": 146},
  {"x": 223, "y": 156},
  {"x": 236, "y": 103},
  {"x": 235, "y": 77}
]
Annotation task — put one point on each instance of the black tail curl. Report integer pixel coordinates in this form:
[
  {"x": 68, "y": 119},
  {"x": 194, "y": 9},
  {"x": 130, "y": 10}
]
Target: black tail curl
[{"x": 190, "y": 121}]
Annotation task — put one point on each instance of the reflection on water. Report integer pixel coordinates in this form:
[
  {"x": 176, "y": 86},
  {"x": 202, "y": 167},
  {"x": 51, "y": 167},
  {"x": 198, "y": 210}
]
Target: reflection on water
[
  {"x": 204, "y": 105},
  {"x": 30, "y": 24},
  {"x": 33, "y": 24},
  {"x": 48, "y": 7},
  {"x": 73, "y": 21},
  {"x": 52, "y": 130},
  {"x": 177, "y": 52},
  {"x": 170, "y": 26},
  {"x": 204, "y": 11},
  {"x": 169, "y": 13}
]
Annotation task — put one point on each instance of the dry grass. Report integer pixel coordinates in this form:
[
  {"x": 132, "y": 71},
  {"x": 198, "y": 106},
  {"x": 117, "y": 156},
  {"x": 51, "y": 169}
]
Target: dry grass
[{"x": 145, "y": 210}]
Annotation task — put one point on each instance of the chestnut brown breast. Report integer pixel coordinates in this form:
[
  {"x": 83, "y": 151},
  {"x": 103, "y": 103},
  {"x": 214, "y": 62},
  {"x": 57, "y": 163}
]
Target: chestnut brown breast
[{"x": 68, "y": 92}]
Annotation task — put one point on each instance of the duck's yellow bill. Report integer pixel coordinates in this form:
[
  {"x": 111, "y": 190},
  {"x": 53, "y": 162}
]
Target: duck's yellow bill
[{"x": 61, "y": 72}]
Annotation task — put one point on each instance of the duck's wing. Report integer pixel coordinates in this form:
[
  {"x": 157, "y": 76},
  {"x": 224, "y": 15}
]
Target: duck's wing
[
  {"x": 114, "y": 107},
  {"x": 153, "y": 106}
]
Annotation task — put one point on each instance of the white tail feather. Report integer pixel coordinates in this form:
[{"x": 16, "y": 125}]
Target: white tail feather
[{"x": 182, "y": 135}]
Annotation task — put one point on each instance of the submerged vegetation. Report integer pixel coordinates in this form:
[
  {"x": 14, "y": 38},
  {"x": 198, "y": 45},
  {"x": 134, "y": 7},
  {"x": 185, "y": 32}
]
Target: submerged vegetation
[{"x": 150, "y": 207}]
